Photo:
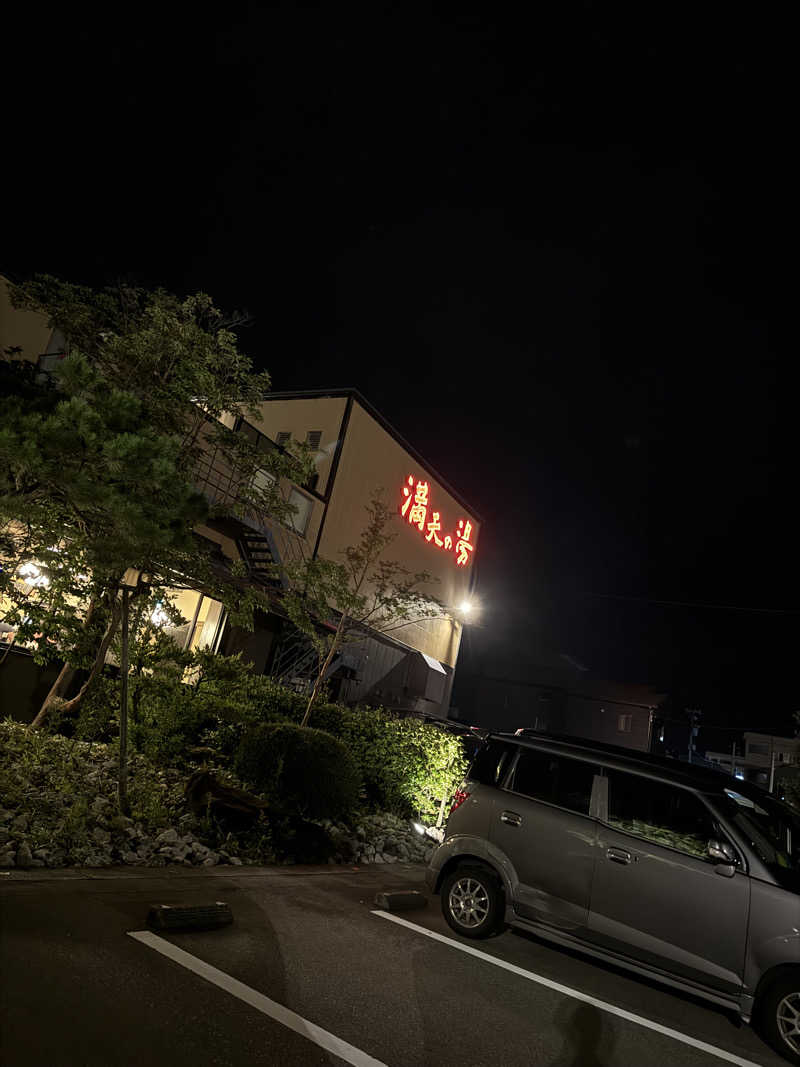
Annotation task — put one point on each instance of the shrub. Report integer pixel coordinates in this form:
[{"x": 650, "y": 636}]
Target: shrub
[
  {"x": 300, "y": 769},
  {"x": 407, "y": 766}
]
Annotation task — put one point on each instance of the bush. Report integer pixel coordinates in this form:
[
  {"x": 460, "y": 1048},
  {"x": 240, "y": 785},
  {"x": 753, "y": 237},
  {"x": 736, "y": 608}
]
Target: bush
[
  {"x": 299, "y": 769},
  {"x": 407, "y": 766}
]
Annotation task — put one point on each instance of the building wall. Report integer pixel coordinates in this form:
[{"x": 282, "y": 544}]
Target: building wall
[
  {"x": 298, "y": 416},
  {"x": 760, "y": 747},
  {"x": 600, "y": 720},
  {"x": 372, "y": 458},
  {"x": 27, "y": 330}
]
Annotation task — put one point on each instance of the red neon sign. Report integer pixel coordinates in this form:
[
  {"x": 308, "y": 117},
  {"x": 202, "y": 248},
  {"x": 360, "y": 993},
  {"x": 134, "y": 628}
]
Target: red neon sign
[{"x": 415, "y": 508}]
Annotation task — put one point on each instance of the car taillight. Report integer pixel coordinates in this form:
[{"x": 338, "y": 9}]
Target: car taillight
[{"x": 459, "y": 797}]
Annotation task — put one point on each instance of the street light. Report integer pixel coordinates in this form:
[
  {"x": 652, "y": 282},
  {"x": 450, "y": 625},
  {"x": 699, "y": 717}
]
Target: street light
[{"x": 136, "y": 583}]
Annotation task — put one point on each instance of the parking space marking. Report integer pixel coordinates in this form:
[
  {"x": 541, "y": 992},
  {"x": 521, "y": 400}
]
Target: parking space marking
[
  {"x": 257, "y": 1000},
  {"x": 576, "y": 994}
]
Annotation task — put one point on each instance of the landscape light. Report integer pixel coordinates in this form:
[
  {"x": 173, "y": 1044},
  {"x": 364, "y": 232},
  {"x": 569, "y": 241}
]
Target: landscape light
[
  {"x": 159, "y": 616},
  {"x": 465, "y": 606},
  {"x": 419, "y": 827},
  {"x": 31, "y": 575}
]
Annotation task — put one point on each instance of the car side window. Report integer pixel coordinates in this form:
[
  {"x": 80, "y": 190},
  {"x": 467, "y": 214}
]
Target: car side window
[
  {"x": 556, "y": 779},
  {"x": 660, "y": 813}
]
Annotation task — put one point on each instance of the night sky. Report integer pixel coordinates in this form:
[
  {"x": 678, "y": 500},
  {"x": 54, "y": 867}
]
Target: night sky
[{"x": 552, "y": 253}]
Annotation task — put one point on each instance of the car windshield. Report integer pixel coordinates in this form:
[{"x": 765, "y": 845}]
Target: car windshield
[{"x": 771, "y": 829}]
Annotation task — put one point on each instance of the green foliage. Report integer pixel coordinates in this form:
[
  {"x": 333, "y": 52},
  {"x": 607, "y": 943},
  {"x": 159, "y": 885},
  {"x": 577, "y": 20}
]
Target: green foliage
[
  {"x": 98, "y": 474},
  {"x": 304, "y": 770},
  {"x": 407, "y": 766}
]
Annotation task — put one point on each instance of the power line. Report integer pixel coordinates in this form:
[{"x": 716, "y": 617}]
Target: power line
[{"x": 696, "y": 604}]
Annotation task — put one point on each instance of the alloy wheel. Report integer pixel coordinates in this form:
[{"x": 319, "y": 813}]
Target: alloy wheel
[
  {"x": 469, "y": 902},
  {"x": 788, "y": 1015}
]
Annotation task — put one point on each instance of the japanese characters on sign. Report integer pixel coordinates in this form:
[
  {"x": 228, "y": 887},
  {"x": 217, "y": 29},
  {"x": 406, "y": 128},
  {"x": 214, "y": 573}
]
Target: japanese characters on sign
[{"x": 417, "y": 509}]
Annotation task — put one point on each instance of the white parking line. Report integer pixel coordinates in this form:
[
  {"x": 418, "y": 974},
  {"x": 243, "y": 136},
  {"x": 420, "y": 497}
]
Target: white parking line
[
  {"x": 257, "y": 1000},
  {"x": 603, "y": 1005}
]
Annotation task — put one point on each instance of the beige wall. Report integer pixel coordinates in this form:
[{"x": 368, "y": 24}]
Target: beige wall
[
  {"x": 372, "y": 458},
  {"x": 298, "y": 417},
  {"x": 26, "y": 329}
]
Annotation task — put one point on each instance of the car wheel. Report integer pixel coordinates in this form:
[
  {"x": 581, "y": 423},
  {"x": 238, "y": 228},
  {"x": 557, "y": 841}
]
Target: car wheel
[
  {"x": 780, "y": 1015},
  {"x": 473, "y": 902}
]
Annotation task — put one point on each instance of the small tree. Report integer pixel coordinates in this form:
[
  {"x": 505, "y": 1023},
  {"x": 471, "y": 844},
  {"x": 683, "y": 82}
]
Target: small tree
[
  {"x": 98, "y": 471},
  {"x": 334, "y": 602}
]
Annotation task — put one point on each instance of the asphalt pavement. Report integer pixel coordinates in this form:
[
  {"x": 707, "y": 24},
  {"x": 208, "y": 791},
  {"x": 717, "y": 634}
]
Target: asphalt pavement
[{"x": 308, "y": 974}]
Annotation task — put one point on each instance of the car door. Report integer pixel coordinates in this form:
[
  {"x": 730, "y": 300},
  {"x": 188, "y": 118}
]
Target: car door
[
  {"x": 657, "y": 896},
  {"x": 541, "y": 822}
]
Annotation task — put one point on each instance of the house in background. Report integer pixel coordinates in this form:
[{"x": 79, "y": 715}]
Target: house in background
[
  {"x": 567, "y": 700},
  {"x": 760, "y": 757}
]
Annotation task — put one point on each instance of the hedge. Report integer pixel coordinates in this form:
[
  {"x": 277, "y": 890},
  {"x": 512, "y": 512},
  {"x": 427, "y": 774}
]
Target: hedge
[{"x": 300, "y": 769}]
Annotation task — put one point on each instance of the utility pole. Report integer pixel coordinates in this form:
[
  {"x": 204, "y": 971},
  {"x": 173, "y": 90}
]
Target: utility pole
[
  {"x": 772, "y": 767},
  {"x": 733, "y": 759},
  {"x": 694, "y": 716},
  {"x": 124, "y": 806}
]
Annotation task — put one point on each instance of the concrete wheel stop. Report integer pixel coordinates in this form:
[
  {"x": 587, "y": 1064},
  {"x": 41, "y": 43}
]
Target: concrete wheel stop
[
  {"x": 405, "y": 900},
  {"x": 171, "y": 917}
]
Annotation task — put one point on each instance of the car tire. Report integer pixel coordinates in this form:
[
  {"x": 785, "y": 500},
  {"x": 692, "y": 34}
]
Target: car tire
[
  {"x": 779, "y": 1014},
  {"x": 473, "y": 902}
]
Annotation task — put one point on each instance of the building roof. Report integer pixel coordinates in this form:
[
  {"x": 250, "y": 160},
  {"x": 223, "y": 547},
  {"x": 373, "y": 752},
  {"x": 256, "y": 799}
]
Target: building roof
[{"x": 312, "y": 394}]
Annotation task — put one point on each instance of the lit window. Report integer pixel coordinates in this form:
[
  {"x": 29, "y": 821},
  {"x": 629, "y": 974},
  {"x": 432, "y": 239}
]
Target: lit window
[
  {"x": 624, "y": 723},
  {"x": 300, "y": 506}
]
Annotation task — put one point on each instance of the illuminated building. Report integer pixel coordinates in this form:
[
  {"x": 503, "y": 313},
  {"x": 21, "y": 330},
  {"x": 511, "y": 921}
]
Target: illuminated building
[{"x": 356, "y": 451}]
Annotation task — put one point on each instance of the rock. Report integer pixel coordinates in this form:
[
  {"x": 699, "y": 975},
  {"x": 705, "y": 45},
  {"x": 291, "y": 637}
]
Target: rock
[
  {"x": 24, "y": 855},
  {"x": 5, "y": 835},
  {"x": 7, "y": 859},
  {"x": 211, "y": 860},
  {"x": 121, "y": 822},
  {"x": 21, "y": 823},
  {"x": 130, "y": 857},
  {"x": 167, "y": 837},
  {"x": 236, "y": 861}
]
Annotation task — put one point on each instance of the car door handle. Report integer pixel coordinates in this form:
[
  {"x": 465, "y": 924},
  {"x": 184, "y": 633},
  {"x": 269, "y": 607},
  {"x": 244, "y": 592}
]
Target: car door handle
[
  {"x": 618, "y": 855},
  {"x": 511, "y": 818}
]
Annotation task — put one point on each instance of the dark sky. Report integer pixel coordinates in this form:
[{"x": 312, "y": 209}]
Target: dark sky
[{"x": 552, "y": 252}]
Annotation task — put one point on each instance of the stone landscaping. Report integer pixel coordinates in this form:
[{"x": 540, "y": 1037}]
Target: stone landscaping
[{"x": 59, "y": 809}]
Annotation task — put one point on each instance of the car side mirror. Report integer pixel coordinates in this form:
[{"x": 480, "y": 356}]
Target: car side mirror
[{"x": 723, "y": 857}]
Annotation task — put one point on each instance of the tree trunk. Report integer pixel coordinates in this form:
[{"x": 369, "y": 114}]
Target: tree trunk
[
  {"x": 67, "y": 672},
  {"x": 337, "y": 638}
]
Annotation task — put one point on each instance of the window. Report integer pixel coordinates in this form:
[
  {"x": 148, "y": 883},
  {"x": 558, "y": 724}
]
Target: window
[
  {"x": 661, "y": 813},
  {"x": 313, "y": 438},
  {"x": 624, "y": 723},
  {"x": 556, "y": 779},
  {"x": 264, "y": 481},
  {"x": 301, "y": 506},
  {"x": 283, "y": 438},
  {"x": 758, "y": 750},
  {"x": 772, "y": 830},
  {"x": 491, "y": 762}
]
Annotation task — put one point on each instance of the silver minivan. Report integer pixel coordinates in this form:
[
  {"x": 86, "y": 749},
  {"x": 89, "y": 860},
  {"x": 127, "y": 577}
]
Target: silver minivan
[{"x": 682, "y": 874}]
